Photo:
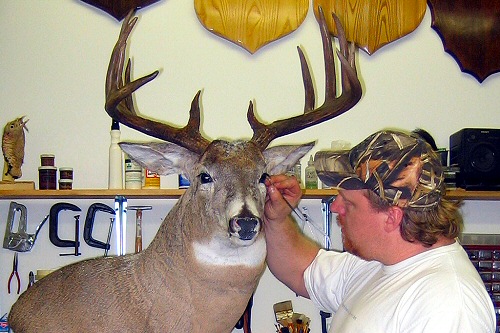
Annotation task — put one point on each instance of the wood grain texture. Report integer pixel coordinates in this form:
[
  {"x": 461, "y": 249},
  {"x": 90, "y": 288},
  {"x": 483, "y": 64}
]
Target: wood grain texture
[
  {"x": 251, "y": 24},
  {"x": 470, "y": 31},
  {"x": 372, "y": 24}
]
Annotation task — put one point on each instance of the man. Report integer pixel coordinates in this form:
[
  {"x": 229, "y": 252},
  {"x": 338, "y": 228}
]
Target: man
[{"x": 403, "y": 269}]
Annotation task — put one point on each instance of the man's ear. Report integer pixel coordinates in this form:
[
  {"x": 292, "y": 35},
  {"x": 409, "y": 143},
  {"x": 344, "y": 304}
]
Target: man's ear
[{"x": 394, "y": 218}]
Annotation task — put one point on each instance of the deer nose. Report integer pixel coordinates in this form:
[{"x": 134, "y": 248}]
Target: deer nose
[{"x": 244, "y": 227}]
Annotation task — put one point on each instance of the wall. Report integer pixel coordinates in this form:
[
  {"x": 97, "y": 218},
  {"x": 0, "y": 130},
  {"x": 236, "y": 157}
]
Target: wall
[{"x": 53, "y": 60}]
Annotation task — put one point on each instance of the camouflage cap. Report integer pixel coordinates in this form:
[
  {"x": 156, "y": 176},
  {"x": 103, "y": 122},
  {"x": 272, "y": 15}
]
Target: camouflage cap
[{"x": 401, "y": 168}]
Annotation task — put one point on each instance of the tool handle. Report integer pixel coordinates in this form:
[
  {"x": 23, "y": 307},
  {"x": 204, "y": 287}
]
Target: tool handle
[
  {"x": 138, "y": 244},
  {"x": 16, "y": 274}
]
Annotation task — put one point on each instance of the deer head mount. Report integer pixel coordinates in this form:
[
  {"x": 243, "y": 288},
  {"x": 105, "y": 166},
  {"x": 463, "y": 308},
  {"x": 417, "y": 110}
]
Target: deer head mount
[{"x": 209, "y": 252}]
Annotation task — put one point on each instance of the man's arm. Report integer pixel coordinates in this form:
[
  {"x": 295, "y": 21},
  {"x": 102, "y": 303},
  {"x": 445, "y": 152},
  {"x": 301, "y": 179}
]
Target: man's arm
[{"x": 289, "y": 252}]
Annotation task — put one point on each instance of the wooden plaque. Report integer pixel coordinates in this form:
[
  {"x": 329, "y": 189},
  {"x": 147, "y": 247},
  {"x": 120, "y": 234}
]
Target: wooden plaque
[
  {"x": 119, "y": 8},
  {"x": 251, "y": 24},
  {"x": 470, "y": 31},
  {"x": 371, "y": 24}
]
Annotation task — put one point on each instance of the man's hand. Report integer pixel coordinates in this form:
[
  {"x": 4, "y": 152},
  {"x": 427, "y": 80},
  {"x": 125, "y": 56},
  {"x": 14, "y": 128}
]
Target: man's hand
[
  {"x": 283, "y": 194},
  {"x": 288, "y": 251}
]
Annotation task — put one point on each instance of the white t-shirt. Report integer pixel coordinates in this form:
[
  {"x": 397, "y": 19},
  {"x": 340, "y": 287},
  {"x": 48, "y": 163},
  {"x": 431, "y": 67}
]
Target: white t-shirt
[{"x": 437, "y": 291}]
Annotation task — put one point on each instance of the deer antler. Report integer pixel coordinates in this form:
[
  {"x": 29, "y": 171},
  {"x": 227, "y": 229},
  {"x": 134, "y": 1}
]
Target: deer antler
[
  {"x": 332, "y": 106},
  {"x": 120, "y": 106}
]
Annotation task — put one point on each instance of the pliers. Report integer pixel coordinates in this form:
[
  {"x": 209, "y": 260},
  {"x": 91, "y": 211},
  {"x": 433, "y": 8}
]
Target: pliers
[{"x": 14, "y": 272}]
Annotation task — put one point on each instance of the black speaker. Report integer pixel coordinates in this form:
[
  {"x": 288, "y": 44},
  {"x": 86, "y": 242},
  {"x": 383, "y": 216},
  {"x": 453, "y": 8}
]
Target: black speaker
[{"x": 476, "y": 151}]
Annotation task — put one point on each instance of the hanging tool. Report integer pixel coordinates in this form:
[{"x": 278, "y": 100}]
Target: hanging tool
[
  {"x": 15, "y": 273},
  {"x": 20, "y": 241},
  {"x": 246, "y": 318},
  {"x": 31, "y": 279},
  {"x": 138, "y": 225},
  {"x": 4, "y": 325},
  {"x": 89, "y": 225},
  {"x": 110, "y": 231},
  {"x": 53, "y": 227},
  {"x": 121, "y": 223},
  {"x": 327, "y": 221}
]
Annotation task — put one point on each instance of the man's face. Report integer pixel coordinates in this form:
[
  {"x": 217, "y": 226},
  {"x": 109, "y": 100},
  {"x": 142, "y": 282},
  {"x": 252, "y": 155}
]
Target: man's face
[{"x": 359, "y": 222}]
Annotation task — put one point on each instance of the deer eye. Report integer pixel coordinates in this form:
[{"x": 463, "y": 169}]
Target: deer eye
[
  {"x": 263, "y": 178},
  {"x": 205, "y": 178}
]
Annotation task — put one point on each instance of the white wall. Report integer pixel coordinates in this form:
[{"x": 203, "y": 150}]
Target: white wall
[{"x": 53, "y": 60}]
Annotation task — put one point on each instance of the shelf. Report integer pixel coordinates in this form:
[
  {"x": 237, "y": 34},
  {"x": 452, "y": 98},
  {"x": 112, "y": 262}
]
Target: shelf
[
  {"x": 456, "y": 194},
  {"x": 91, "y": 194}
]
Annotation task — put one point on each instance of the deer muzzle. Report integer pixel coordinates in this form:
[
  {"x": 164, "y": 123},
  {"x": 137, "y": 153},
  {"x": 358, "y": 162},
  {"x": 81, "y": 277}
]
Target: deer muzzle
[{"x": 245, "y": 228}]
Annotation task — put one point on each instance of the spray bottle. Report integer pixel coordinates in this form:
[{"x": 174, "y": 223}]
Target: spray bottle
[
  {"x": 115, "y": 171},
  {"x": 311, "y": 177}
]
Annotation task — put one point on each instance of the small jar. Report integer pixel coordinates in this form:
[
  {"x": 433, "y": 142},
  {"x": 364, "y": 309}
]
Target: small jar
[
  {"x": 133, "y": 174},
  {"x": 47, "y": 176},
  {"x": 65, "y": 184},
  {"x": 47, "y": 160},
  {"x": 66, "y": 173},
  {"x": 133, "y": 179}
]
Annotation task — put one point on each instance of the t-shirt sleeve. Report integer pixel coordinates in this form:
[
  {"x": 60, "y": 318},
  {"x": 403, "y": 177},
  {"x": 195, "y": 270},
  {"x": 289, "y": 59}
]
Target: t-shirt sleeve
[{"x": 329, "y": 276}]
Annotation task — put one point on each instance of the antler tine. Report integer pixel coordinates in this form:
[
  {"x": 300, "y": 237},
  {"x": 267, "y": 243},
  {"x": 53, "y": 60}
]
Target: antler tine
[
  {"x": 332, "y": 106},
  {"x": 120, "y": 106}
]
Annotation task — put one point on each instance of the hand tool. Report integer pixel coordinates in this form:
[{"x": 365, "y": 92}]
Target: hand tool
[
  {"x": 31, "y": 279},
  {"x": 121, "y": 223},
  {"x": 327, "y": 220},
  {"x": 138, "y": 225},
  {"x": 246, "y": 318},
  {"x": 89, "y": 225},
  {"x": 4, "y": 325},
  {"x": 110, "y": 231},
  {"x": 54, "y": 221},
  {"x": 14, "y": 273},
  {"x": 76, "y": 243},
  {"x": 53, "y": 227},
  {"x": 19, "y": 241},
  {"x": 304, "y": 217}
]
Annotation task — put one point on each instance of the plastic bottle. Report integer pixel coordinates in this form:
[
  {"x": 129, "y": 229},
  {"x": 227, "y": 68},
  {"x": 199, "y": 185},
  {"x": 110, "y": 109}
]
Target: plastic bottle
[
  {"x": 311, "y": 176},
  {"x": 133, "y": 174},
  {"x": 297, "y": 172},
  {"x": 115, "y": 170}
]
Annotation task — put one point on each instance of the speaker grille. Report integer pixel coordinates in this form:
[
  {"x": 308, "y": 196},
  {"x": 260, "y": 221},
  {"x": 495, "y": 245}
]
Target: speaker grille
[{"x": 476, "y": 151}]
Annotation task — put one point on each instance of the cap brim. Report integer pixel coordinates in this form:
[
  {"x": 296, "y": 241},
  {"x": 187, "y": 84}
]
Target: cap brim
[{"x": 334, "y": 169}]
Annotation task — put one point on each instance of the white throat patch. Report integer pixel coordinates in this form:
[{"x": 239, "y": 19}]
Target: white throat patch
[{"x": 217, "y": 254}]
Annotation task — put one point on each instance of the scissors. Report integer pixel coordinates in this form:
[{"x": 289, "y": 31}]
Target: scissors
[{"x": 14, "y": 272}]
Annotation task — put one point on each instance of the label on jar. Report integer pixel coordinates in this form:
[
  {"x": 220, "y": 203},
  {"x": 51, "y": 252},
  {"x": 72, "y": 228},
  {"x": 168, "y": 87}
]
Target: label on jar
[
  {"x": 151, "y": 179},
  {"x": 133, "y": 179},
  {"x": 47, "y": 176}
]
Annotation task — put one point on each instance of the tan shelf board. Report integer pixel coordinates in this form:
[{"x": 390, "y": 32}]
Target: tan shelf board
[
  {"x": 92, "y": 193},
  {"x": 461, "y": 194},
  {"x": 458, "y": 194}
]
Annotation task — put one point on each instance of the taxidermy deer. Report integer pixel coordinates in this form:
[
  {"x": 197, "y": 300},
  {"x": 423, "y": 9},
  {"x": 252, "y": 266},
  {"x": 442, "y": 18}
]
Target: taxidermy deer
[{"x": 203, "y": 265}]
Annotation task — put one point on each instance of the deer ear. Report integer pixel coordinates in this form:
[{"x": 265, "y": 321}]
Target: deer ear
[
  {"x": 279, "y": 159},
  {"x": 164, "y": 158}
]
